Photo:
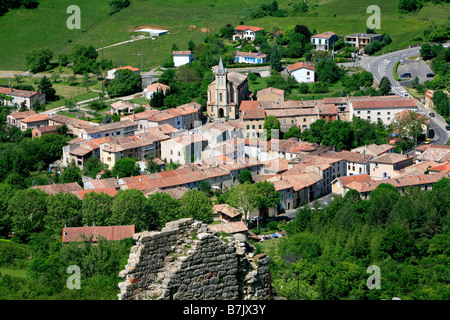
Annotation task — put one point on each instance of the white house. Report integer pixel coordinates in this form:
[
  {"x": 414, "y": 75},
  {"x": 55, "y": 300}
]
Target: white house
[
  {"x": 250, "y": 57},
  {"x": 18, "y": 97},
  {"x": 246, "y": 32},
  {"x": 324, "y": 41},
  {"x": 302, "y": 72},
  {"x": 152, "y": 88},
  {"x": 379, "y": 108},
  {"x": 111, "y": 73},
  {"x": 181, "y": 58}
]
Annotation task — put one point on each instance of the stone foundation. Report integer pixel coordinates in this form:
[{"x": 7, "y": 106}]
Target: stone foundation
[{"x": 186, "y": 261}]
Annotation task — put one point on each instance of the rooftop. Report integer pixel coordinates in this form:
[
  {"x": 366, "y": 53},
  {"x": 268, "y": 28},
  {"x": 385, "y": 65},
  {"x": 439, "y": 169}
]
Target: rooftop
[{"x": 70, "y": 234}]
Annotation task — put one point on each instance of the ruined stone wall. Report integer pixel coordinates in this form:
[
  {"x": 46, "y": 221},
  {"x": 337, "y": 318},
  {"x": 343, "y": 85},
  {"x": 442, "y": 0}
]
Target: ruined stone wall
[{"x": 186, "y": 261}]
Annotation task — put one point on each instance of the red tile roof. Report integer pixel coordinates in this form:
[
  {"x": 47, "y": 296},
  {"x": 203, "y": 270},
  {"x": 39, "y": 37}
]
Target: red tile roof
[
  {"x": 300, "y": 65},
  {"x": 57, "y": 188},
  {"x": 243, "y": 28},
  {"x": 326, "y": 35}
]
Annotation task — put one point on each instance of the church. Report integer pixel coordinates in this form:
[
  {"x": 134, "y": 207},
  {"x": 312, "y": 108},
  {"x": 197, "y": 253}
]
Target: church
[{"x": 225, "y": 93}]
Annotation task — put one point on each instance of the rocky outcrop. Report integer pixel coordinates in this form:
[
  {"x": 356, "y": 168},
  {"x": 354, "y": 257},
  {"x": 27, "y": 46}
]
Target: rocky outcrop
[{"x": 185, "y": 260}]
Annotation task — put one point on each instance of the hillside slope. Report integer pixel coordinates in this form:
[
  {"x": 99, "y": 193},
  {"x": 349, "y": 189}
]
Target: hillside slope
[{"x": 46, "y": 25}]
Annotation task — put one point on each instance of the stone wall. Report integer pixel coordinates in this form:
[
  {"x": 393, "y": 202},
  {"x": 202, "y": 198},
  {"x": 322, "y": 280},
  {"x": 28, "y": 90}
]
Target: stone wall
[{"x": 186, "y": 261}]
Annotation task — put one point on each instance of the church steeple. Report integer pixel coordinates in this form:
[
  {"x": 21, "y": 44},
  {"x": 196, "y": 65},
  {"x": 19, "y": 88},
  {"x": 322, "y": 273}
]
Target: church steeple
[{"x": 220, "y": 68}]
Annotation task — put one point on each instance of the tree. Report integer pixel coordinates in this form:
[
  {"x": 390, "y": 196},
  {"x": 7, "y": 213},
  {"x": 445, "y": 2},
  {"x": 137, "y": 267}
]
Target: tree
[
  {"x": 441, "y": 102},
  {"x": 27, "y": 209},
  {"x": 293, "y": 132},
  {"x": 328, "y": 71},
  {"x": 164, "y": 207},
  {"x": 268, "y": 196},
  {"x": 244, "y": 197},
  {"x": 93, "y": 166},
  {"x": 275, "y": 58},
  {"x": 196, "y": 204},
  {"x": 152, "y": 166},
  {"x": 271, "y": 123},
  {"x": 45, "y": 86},
  {"x": 126, "y": 167},
  {"x": 205, "y": 187},
  {"x": 117, "y": 5},
  {"x": 125, "y": 82},
  {"x": 397, "y": 243},
  {"x": 245, "y": 176},
  {"x": 37, "y": 60},
  {"x": 96, "y": 208},
  {"x": 63, "y": 209},
  {"x": 385, "y": 86},
  {"x": 410, "y": 125},
  {"x": 131, "y": 207},
  {"x": 72, "y": 174}
]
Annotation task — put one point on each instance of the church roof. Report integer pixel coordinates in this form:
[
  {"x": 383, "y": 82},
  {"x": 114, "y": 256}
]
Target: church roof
[{"x": 220, "y": 68}]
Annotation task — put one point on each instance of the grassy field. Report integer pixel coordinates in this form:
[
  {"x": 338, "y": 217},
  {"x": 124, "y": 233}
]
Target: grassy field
[{"x": 46, "y": 26}]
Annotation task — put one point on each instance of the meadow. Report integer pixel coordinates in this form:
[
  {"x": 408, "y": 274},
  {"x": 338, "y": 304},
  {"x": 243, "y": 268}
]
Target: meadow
[{"x": 45, "y": 26}]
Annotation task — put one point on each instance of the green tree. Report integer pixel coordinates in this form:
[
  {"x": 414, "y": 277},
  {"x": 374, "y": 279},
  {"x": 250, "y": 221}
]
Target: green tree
[
  {"x": 275, "y": 58},
  {"x": 268, "y": 196},
  {"x": 328, "y": 71},
  {"x": 385, "y": 86},
  {"x": 131, "y": 207},
  {"x": 96, "y": 208},
  {"x": 165, "y": 207},
  {"x": 205, "y": 187},
  {"x": 37, "y": 60},
  {"x": 45, "y": 86},
  {"x": 93, "y": 166},
  {"x": 63, "y": 209},
  {"x": 245, "y": 176},
  {"x": 126, "y": 167},
  {"x": 125, "y": 82},
  {"x": 72, "y": 174},
  {"x": 27, "y": 209},
  {"x": 244, "y": 197},
  {"x": 441, "y": 102},
  {"x": 271, "y": 123},
  {"x": 196, "y": 204},
  {"x": 398, "y": 243}
]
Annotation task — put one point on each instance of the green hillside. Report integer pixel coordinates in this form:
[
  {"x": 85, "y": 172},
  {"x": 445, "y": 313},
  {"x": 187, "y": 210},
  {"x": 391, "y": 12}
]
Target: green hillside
[{"x": 45, "y": 26}]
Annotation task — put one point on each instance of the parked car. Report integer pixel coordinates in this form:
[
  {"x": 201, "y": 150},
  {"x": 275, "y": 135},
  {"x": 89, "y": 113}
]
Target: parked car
[
  {"x": 427, "y": 141},
  {"x": 431, "y": 114},
  {"x": 405, "y": 75},
  {"x": 447, "y": 127},
  {"x": 430, "y": 75}
]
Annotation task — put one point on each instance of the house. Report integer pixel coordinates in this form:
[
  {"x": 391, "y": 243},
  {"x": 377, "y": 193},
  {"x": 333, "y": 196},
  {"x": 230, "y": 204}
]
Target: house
[
  {"x": 387, "y": 165},
  {"x": 59, "y": 188},
  {"x": 301, "y": 71},
  {"x": 73, "y": 124},
  {"x": 154, "y": 87},
  {"x": 374, "y": 149},
  {"x": 226, "y": 213},
  {"x": 184, "y": 149},
  {"x": 79, "y": 150},
  {"x": 36, "y": 121},
  {"x": 250, "y": 57},
  {"x": 19, "y": 97},
  {"x": 360, "y": 40},
  {"x": 270, "y": 94},
  {"x": 121, "y": 107},
  {"x": 253, "y": 123},
  {"x": 181, "y": 58},
  {"x": 437, "y": 153},
  {"x": 362, "y": 183},
  {"x": 375, "y": 109},
  {"x": 94, "y": 233},
  {"x": 14, "y": 118},
  {"x": 357, "y": 163},
  {"x": 246, "y": 32},
  {"x": 365, "y": 185},
  {"x": 115, "y": 129},
  {"x": 111, "y": 73},
  {"x": 39, "y": 132},
  {"x": 324, "y": 41}
]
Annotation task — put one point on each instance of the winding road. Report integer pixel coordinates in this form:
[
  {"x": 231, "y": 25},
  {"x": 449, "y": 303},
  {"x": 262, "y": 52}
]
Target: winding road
[{"x": 384, "y": 66}]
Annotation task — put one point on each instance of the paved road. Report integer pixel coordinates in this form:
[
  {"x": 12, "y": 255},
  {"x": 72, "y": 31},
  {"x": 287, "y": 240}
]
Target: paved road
[{"x": 384, "y": 66}]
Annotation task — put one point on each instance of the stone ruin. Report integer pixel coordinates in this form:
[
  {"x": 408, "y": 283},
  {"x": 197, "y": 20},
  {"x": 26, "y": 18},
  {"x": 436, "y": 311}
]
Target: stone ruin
[{"x": 186, "y": 261}]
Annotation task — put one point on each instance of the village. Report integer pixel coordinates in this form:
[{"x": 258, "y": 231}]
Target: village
[{"x": 216, "y": 146}]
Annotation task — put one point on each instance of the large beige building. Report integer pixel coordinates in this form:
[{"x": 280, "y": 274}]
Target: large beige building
[{"x": 183, "y": 149}]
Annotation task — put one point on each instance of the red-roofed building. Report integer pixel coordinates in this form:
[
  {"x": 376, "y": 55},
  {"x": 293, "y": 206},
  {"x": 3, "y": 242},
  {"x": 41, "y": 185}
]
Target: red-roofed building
[
  {"x": 181, "y": 58},
  {"x": 19, "y": 97},
  {"x": 245, "y": 32},
  {"x": 71, "y": 234},
  {"x": 250, "y": 57},
  {"x": 301, "y": 71},
  {"x": 324, "y": 41},
  {"x": 111, "y": 73}
]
